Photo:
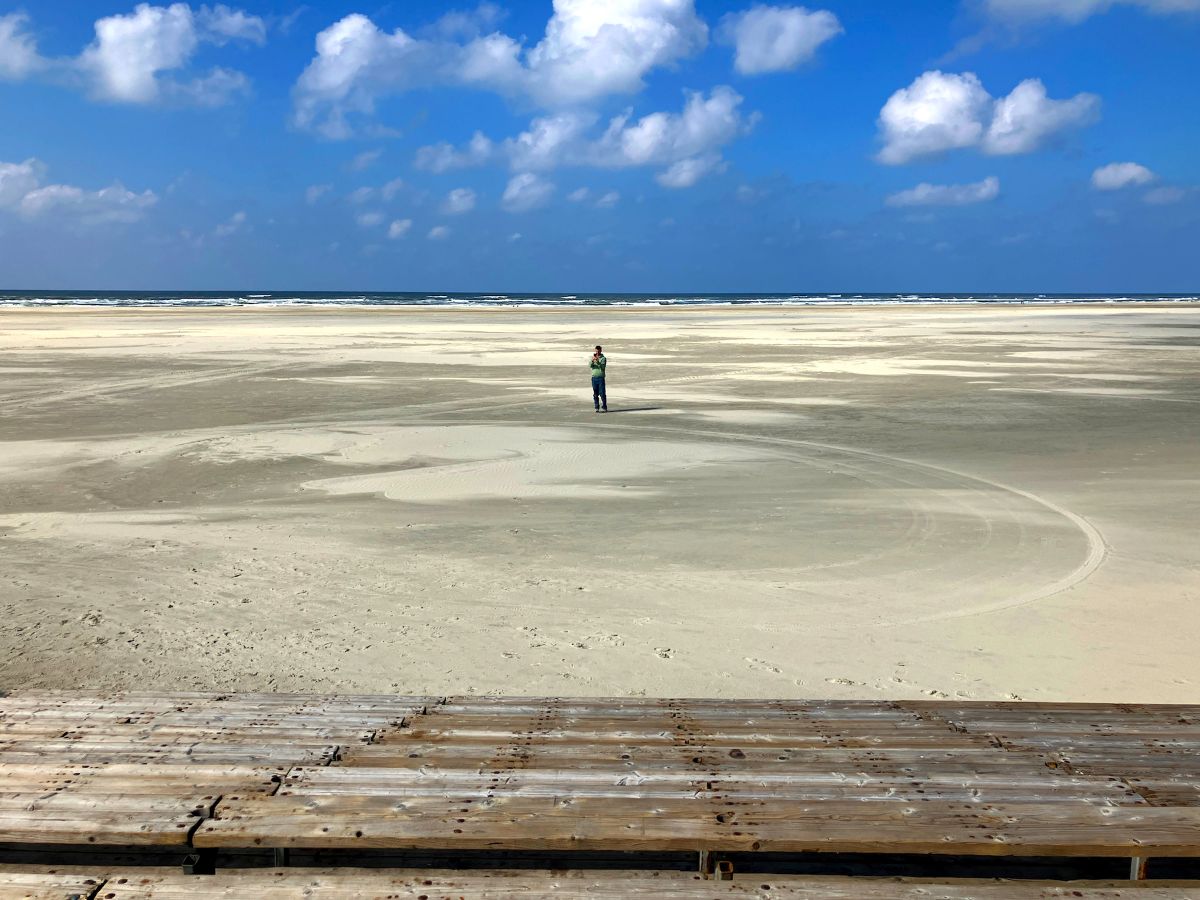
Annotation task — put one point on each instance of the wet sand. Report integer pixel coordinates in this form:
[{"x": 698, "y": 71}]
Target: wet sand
[{"x": 903, "y": 502}]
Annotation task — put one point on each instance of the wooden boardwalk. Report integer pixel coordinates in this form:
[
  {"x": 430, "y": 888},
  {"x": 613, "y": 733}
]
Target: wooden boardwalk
[{"x": 219, "y": 776}]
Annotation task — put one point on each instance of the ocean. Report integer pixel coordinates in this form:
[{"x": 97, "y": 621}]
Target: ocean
[{"x": 187, "y": 299}]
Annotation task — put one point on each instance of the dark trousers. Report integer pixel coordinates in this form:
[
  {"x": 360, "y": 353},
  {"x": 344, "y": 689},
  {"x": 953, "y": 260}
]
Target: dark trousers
[{"x": 599, "y": 396}]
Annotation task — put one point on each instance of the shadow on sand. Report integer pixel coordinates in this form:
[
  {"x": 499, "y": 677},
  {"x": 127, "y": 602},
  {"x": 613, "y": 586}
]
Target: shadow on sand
[{"x": 635, "y": 409}]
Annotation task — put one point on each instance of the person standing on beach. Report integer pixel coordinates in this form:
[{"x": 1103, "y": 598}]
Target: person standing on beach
[{"x": 599, "y": 395}]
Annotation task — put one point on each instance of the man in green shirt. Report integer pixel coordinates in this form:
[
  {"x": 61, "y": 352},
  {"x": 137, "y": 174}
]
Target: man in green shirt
[{"x": 599, "y": 395}]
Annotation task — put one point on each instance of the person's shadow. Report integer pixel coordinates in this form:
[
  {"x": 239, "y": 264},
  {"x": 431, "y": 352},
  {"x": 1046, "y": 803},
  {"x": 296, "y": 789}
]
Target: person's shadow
[{"x": 635, "y": 409}]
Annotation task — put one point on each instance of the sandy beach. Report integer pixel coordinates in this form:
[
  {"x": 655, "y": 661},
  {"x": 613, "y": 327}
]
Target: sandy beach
[{"x": 994, "y": 502}]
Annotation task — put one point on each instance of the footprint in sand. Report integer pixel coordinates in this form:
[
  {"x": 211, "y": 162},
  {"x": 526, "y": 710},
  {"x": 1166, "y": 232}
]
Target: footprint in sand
[
  {"x": 762, "y": 665},
  {"x": 845, "y": 681},
  {"x": 664, "y": 652},
  {"x": 610, "y": 640}
]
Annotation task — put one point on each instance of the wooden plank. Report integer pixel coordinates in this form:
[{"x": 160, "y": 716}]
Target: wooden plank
[
  {"x": 147, "y": 778},
  {"x": 292, "y": 884},
  {"x": 49, "y": 885},
  {"x": 97, "y": 827},
  {"x": 665, "y": 825},
  {"x": 665, "y": 781}
]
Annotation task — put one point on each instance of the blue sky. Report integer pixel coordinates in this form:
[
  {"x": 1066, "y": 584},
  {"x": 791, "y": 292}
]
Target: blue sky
[{"x": 601, "y": 145}]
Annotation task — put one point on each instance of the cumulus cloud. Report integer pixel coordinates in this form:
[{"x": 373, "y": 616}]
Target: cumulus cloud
[
  {"x": 458, "y": 201},
  {"x": 126, "y": 61},
  {"x": 686, "y": 145},
  {"x": 609, "y": 200},
  {"x": 777, "y": 38},
  {"x": 22, "y": 191},
  {"x": 687, "y": 172},
  {"x": 579, "y": 195},
  {"x": 1115, "y": 176},
  {"x": 526, "y": 191},
  {"x": 937, "y": 112},
  {"x": 550, "y": 141},
  {"x": 926, "y": 194},
  {"x": 705, "y": 124},
  {"x": 590, "y": 50},
  {"x": 18, "y": 49},
  {"x": 1022, "y": 121},
  {"x": 399, "y": 228},
  {"x": 369, "y": 219},
  {"x": 221, "y": 24},
  {"x": 1075, "y": 11},
  {"x": 315, "y": 192},
  {"x": 438, "y": 233},
  {"x": 136, "y": 57},
  {"x": 17, "y": 180},
  {"x": 443, "y": 157},
  {"x": 940, "y": 112}
]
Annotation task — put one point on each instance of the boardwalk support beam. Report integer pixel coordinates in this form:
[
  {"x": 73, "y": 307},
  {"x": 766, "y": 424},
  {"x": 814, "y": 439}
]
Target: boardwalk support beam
[{"x": 1137, "y": 868}]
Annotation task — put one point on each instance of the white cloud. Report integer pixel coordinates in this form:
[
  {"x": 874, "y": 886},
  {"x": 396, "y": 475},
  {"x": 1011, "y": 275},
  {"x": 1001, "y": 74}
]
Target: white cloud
[
  {"x": 221, "y": 24},
  {"x": 369, "y": 219},
  {"x": 231, "y": 226},
  {"x": 107, "y": 205},
  {"x": 392, "y": 188},
  {"x": 579, "y": 195},
  {"x": 609, "y": 200},
  {"x": 687, "y": 172},
  {"x": 438, "y": 233},
  {"x": 514, "y": 237},
  {"x": 777, "y": 38},
  {"x": 18, "y": 49},
  {"x": 21, "y": 190},
  {"x": 443, "y": 157},
  {"x": 364, "y": 160},
  {"x": 665, "y": 138},
  {"x": 399, "y": 228},
  {"x": 689, "y": 141},
  {"x": 549, "y": 141},
  {"x": 1115, "y": 176},
  {"x": 361, "y": 195},
  {"x": 1164, "y": 196},
  {"x": 1075, "y": 11},
  {"x": 216, "y": 88},
  {"x": 594, "y": 49},
  {"x": 526, "y": 191},
  {"x": 926, "y": 194},
  {"x": 458, "y": 201},
  {"x": 590, "y": 50},
  {"x": 1024, "y": 119},
  {"x": 17, "y": 180},
  {"x": 940, "y": 112},
  {"x": 936, "y": 112},
  {"x": 126, "y": 61}
]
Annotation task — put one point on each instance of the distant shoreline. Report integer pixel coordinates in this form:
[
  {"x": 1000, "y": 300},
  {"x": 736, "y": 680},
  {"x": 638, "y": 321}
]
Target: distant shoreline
[
  {"x": 315, "y": 308},
  {"x": 296, "y": 300}
]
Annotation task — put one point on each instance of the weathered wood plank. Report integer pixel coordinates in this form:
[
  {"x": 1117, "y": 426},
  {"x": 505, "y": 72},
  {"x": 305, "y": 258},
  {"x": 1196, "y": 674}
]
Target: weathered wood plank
[
  {"x": 666, "y": 825},
  {"x": 49, "y": 885},
  {"x": 292, "y": 884}
]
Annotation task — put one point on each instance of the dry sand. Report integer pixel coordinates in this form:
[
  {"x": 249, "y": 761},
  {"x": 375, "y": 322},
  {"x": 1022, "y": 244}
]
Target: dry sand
[{"x": 965, "y": 502}]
